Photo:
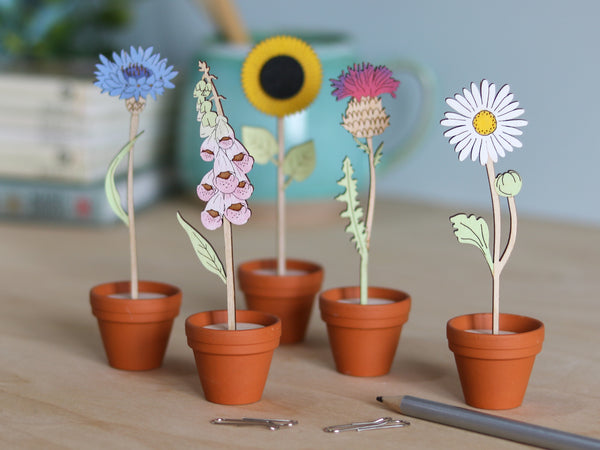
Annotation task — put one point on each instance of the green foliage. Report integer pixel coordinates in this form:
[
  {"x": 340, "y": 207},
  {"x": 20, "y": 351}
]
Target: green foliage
[
  {"x": 110, "y": 188},
  {"x": 353, "y": 211},
  {"x": 508, "y": 184},
  {"x": 45, "y": 29},
  {"x": 473, "y": 230},
  {"x": 260, "y": 143},
  {"x": 378, "y": 154},
  {"x": 205, "y": 252},
  {"x": 300, "y": 161}
]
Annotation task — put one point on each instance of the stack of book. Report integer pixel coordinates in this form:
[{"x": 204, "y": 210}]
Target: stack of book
[{"x": 57, "y": 138}]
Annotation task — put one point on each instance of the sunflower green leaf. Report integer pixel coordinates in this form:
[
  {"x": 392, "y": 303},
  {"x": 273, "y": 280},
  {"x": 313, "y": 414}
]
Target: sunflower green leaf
[
  {"x": 300, "y": 161},
  {"x": 260, "y": 143}
]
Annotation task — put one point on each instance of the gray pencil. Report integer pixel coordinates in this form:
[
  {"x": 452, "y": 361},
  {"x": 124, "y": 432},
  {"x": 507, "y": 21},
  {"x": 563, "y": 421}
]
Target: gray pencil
[{"x": 488, "y": 424}]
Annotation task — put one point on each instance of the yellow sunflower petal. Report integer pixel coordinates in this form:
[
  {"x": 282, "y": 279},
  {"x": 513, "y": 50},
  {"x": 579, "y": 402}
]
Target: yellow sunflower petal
[{"x": 281, "y": 75}]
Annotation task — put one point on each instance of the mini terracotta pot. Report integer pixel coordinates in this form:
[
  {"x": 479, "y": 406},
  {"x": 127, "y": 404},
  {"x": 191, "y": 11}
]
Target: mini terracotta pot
[
  {"x": 135, "y": 333},
  {"x": 289, "y": 297},
  {"x": 233, "y": 365},
  {"x": 364, "y": 338},
  {"x": 494, "y": 370}
]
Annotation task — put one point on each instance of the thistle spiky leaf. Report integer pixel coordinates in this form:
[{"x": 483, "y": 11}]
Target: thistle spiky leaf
[{"x": 353, "y": 212}]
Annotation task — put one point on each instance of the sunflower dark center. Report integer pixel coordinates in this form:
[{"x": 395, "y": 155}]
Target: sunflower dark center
[
  {"x": 282, "y": 77},
  {"x": 136, "y": 71}
]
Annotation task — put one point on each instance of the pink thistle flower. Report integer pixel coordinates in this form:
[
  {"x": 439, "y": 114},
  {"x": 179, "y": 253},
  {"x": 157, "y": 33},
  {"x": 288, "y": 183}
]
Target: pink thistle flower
[{"x": 364, "y": 81}]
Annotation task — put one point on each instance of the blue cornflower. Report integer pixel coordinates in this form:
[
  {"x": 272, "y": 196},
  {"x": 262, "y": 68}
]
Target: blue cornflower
[{"x": 134, "y": 74}]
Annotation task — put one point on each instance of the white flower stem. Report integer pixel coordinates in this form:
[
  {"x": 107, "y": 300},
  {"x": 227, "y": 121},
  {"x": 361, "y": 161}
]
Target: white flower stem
[
  {"x": 496, "y": 255},
  {"x": 133, "y": 127},
  {"x": 280, "y": 198},
  {"x": 229, "y": 273}
]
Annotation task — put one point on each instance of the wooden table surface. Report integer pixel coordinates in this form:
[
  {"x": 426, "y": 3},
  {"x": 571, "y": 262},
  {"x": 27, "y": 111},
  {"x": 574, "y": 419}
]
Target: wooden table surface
[{"x": 57, "y": 390}]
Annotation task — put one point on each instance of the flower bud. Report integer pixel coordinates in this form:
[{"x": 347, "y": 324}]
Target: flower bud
[{"x": 508, "y": 184}]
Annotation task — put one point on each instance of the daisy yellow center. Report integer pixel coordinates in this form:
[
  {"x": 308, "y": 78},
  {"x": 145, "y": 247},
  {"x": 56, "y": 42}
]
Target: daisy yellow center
[{"x": 485, "y": 123}]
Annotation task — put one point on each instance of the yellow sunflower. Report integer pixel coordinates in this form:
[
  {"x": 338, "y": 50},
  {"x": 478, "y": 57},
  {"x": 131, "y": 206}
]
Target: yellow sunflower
[{"x": 281, "y": 75}]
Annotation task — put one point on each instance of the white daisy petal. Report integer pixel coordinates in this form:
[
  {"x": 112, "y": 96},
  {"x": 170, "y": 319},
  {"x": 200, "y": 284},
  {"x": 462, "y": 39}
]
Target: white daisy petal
[
  {"x": 464, "y": 154},
  {"x": 483, "y": 156},
  {"x": 491, "y": 95},
  {"x": 514, "y": 123},
  {"x": 452, "y": 122},
  {"x": 505, "y": 145},
  {"x": 497, "y": 146},
  {"x": 510, "y": 115},
  {"x": 490, "y": 150},
  {"x": 470, "y": 99},
  {"x": 504, "y": 129},
  {"x": 456, "y": 130},
  {"x": 453, "y": 115},
  {"x": 476, "y": 150},
  {"x": 463, "y": 144},
  {"x": 484, "y": 92},
  {"x": 476, "y": 94},
  {"x": 512, "y": 140},
  {"x": 502, "y": 93},
  {"x": 503, "y": 103},
  {"x": 458, "y": 107},
  {"x": 508, "y": 108},
  {"x": 459, "y": 137}
]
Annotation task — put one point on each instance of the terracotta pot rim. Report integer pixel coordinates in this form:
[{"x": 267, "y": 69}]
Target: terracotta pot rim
[
  {"x": 197, "y": 333},
  {"x": 311, "y": 268},
  {"x": 353, "y": 315},
  {"x": 134, "y": 310},
  {"x": 532, "y": 326}
]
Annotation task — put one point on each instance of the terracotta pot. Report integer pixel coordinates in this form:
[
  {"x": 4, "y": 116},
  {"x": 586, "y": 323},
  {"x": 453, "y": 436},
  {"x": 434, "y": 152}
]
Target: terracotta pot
[
  {"x": 364, "y": 338},
  {"x": 233, "y": 365},
  {"x": 494, "y": 369},
  {"x": 136, "y": 332},
  {"x": 289, "y": 297}
]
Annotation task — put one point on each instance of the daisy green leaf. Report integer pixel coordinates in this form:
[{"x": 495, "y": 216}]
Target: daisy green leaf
[
  {"x": 112, "y": 194},
  {"x": 300, "y": 161},
  {"x": 353, "y": 211},
  {"x": 473, "y": 230},
  {"x": 205, "y": 252},
  {"x": 260, "y": 143}
]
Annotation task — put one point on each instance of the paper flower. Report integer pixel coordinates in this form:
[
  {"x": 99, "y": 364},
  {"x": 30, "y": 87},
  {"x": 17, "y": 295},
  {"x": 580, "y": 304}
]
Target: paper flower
[
  {"x": 484, "y": 126},
  {"x": 281, "y": 75},
  {"x": 365, "y": 115},
  {"x": 365, "y": 80},
  {"x": 485, "y": 122},
  {"x": 136, "y": 74}
]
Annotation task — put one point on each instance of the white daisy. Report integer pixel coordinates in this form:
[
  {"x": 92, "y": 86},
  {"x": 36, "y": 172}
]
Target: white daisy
[{"x": 485, "y": 122}]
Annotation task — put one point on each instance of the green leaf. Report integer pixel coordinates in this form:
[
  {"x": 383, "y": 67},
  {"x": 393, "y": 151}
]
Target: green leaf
[
  {"x": 362, "y": 145},
  {"x": 260, "y": 143},
  {"x": 353, "y": 212},
  {"x": 110, "y": 188},
  {"x": 300, "y": 161},
  {"x": 205, "y": 252},
  {"x": 378, "y": 154},
  {"x": 473, "y": 230}
]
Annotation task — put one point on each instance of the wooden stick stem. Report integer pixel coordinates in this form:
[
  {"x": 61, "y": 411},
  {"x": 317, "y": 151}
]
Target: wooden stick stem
[
  {"x": 280, "y": 198},
  {"x": 133, "y": 128},
  {"x": 496, "y": 256},
  {"x": 229, "y": 272},
  {"x": 371, "y": 203}
]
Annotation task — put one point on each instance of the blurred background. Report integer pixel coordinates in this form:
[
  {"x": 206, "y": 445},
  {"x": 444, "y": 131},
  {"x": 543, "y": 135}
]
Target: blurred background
[{"x": 545, "y": 50}]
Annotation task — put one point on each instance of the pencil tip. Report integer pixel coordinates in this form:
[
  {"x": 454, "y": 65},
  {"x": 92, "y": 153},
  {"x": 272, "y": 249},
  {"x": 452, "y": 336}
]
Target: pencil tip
[{"x": 380, "y": 399}]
